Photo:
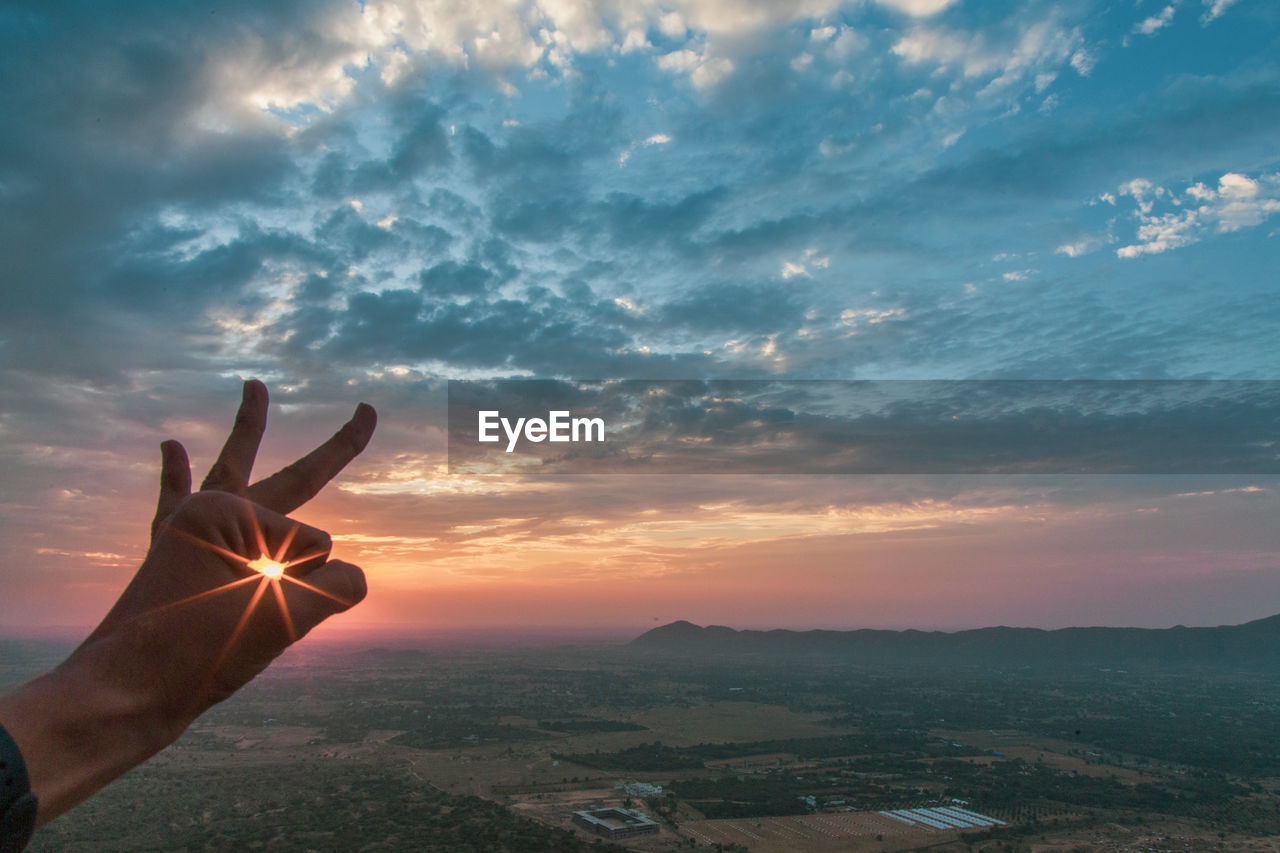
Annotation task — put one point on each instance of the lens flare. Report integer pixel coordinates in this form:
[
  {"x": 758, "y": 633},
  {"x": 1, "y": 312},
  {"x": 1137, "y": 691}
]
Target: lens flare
[
  {"x": 266, "y": 566},
  {"x": 269, "y": 570}
]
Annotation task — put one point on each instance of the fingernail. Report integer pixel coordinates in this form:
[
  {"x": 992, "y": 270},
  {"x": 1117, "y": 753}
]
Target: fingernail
[{"x": 244, "y": 392}]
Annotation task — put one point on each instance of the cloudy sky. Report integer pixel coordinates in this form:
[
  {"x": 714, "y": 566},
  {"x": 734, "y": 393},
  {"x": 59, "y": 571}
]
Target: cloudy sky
[{"x": 360, "y": 201}]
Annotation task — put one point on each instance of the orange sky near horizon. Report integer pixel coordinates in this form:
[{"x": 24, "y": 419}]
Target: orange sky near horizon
[{"x": 446, "y": 552}]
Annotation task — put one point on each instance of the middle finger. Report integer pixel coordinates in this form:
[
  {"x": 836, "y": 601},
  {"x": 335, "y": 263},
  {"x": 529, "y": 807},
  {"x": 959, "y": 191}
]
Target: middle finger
[{"x": 230, "y": 473}]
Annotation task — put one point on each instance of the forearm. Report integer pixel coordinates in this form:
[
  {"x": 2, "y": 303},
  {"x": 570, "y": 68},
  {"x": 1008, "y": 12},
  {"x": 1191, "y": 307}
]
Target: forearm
[{"x": 78, "y": 732}]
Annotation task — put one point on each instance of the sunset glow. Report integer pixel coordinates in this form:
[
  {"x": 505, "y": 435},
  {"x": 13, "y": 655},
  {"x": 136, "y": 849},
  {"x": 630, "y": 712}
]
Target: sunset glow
[{"x": 360, "y": 203}]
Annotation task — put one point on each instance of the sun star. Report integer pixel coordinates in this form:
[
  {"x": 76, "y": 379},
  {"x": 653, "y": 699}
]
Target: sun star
[
  {"x": 266, "y": 566},
  {"x": 269, "y": 572}
]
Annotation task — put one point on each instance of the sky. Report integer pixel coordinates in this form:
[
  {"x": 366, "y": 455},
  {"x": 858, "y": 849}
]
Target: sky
[{"x": 362, "y": 201}]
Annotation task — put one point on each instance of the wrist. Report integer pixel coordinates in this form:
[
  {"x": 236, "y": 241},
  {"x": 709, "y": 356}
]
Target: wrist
[
  {"x": 17, "y": 803},
  {"x": 79, "y": 728}
]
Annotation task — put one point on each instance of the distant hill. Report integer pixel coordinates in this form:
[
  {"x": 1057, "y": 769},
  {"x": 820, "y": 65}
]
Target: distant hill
[{"x": 1251, "y": 645}]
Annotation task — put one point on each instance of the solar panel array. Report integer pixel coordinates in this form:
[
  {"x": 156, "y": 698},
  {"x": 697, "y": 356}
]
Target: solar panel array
[{"x": 943, "y": 817}]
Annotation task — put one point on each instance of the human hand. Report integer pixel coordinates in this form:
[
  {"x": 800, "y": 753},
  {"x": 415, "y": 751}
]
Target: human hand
[
  {"x": 225, "y": 588},
  {"x": 200, "y": 570},
  {"x": 202, "y": 616}
]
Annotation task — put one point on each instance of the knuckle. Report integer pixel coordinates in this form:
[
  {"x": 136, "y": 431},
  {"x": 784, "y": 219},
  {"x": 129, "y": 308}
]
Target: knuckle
[
  {"x": 323, "y": 540},
  {"x": 311, "y": 540},
  {"x": 205, "y": 508}
]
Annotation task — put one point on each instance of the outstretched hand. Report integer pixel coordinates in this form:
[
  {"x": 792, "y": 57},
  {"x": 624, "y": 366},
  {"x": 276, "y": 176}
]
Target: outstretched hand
[{"x": 229, "y": 582}]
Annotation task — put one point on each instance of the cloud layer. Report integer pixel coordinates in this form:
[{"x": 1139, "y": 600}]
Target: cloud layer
[{"x": 364, "y": 200}]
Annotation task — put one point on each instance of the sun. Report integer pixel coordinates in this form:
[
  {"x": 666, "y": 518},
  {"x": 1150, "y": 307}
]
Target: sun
[{"x": 266, "y": 566}]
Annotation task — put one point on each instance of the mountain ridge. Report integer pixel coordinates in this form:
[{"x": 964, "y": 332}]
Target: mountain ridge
[{"x": 1250, "y": 644}]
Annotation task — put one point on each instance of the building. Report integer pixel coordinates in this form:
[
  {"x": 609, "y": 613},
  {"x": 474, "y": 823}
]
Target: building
[
  {"x": 640, "y": 789},
  {"x": 616, "y": 823}
]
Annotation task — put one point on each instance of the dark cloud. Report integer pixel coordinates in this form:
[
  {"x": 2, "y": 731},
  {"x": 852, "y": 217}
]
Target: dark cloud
[
  {"x": 964, "y": 427},
  {"x": 737, "y": 308}
]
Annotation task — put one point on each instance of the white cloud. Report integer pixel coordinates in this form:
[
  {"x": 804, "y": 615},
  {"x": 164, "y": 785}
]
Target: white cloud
[
  {"x": 634, "y": 40},
  {"x": 1155, "y": 23},
  {"x": 1201, "y": 193},
  {"x": 393, "y": 35},
  {"x": 811, "y": 258},
  {"x": 1215, "y": 8},
  {"x": 396, "y": 37},
  {"x": 1236, "y": 186},
  {"x": 1083, "y": 246},
  {"x": 869, "y": 316},
  {"x": 791, "y": 269},
  {"x": 683, "y": 61},
  {"x": 849, "y": 42},
  {"x": 656, "y": 139},
  {"x": 1143, "y": 192},
  {"x": 703, "y": 72},
  {"x": 672, "y": 25},
  {"x": 1031, "y": 51},
  {"x": 711, "y": 72},
  {"x": 947, "y": 48},
  {"x": 1238, "y": 202},
  {"x": 1083, "y": 61},
  {"x": 1041, "y": 45},
  {"x": 918, "y": 8}
]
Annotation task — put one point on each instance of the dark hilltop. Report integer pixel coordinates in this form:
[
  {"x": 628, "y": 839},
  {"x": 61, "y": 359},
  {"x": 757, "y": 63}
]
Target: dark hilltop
[{"x": 1253, "y": 645}]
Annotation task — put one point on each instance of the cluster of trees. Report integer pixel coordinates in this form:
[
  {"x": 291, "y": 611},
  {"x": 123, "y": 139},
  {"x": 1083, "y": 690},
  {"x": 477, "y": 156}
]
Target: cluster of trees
[
  {"x": 578, "y": 727},
  {"x": 645, "y": 756},
  {"x": 898, "y": 744},
  {"x": 743, "y": 796},
  {"x": 1010, "y": 785},
  {"x": 447, "y": 733},
  {"x": 286, "y": 808}
]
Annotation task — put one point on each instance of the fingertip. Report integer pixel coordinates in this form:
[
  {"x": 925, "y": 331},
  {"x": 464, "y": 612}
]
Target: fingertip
[
  {"x": 360, "y": 428},
  {"x": 345, "y": 581},
  {"x": 254, "y": 391},
  {"x": 174, "y": 467},
  {"x": 359, "y": 585}
]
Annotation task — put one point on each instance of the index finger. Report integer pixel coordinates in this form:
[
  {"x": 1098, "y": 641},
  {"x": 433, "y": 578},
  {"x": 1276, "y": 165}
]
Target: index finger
[
  {"x": 231, "y": 472},
  {"x": 294, "y": 485}
]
